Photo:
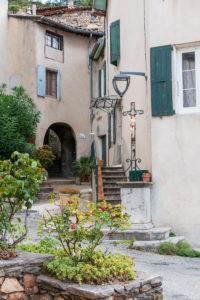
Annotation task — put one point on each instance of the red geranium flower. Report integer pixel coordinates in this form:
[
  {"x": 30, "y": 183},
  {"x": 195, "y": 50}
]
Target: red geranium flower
[
  {"x": 73, "y": 226},
  {"x": 103, "y": 208}
]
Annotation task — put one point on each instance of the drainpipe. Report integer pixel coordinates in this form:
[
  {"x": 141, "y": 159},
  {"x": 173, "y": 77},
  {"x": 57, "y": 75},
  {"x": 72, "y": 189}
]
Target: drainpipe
[{"x": 90, "y": 67}]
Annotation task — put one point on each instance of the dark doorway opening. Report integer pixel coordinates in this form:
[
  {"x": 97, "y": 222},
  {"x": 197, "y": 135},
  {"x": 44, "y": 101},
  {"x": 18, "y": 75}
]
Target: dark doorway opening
[{"x": 62, "y": 140}]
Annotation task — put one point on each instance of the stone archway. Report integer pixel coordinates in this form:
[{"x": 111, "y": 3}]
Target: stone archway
[{"x": 61, "y": 138}]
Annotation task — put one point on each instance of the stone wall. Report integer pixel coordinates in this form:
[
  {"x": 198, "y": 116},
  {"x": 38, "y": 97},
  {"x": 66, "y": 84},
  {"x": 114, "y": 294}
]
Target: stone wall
[{"x": 21, "y": 279}]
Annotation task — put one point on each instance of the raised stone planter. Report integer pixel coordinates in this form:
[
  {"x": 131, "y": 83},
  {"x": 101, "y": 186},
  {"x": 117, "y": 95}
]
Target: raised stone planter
[{"x": 21, "y": 279}]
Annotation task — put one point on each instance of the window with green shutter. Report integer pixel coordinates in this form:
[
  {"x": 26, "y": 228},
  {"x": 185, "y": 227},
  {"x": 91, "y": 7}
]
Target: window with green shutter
[
  {"x": 115, "y": 42},
  {"x": 100, "y": 4},
  {"x": 161, "y": 81}
]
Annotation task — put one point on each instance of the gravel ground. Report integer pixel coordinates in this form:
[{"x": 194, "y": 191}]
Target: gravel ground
[{"x": 181, "y": 276}]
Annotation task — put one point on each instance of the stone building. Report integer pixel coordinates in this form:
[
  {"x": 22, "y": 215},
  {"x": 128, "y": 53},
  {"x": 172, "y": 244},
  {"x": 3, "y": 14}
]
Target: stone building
[
  {"x": 161, "y": 40},
  {"x": 46, "y": 51}
]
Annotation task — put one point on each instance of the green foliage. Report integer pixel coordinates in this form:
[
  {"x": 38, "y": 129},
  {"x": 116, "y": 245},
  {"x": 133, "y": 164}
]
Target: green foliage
[
  {"x": 44, "y": 155},
  {"x": 172, "y": 234},
  {"x": 95, "y": 269},
  {"x": 82, "y": 167},
  {"x": 77, "y": 260},
  {"x": 20, "y": 178},
  {"x": 18, "y": 122},
  {"x": 15, "y": 5},
  {"x": 45, "y": 246},
  {"x": 181, "y": 249}
]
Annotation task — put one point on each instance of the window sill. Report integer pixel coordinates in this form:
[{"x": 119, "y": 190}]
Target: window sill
[
  {"x": 47, "y": 97},
  {"x": 188, "y": 111}
]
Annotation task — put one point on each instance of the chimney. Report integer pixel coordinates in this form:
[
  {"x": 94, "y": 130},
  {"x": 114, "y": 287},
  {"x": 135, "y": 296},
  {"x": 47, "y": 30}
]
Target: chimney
[
  {"x": 34, "y": 8},
  {"x": 71, "y": 3}
]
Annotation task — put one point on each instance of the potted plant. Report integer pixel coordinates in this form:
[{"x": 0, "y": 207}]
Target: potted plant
[
  {"x": 67, "y": 193},
  {"x": 146, "y": 177},
  {"x": 82, "y": 168}
]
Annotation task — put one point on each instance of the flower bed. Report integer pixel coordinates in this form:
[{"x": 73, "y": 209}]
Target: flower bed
[{"x": 21, "y": 279}]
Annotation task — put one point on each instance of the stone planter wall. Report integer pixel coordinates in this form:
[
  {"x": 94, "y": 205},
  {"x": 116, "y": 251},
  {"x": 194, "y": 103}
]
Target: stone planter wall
[{"x": 21, "y": 279}]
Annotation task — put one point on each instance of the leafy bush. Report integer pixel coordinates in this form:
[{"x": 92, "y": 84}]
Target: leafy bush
[
  {"x": 95, "y": 269},
  {"x": 82, "y": 167},
  {"x": 70, "y": 191},
  {"x": 98, "y": 269},
  {"x": 19, "y": 183},
  {"x": 76, "y": 227},
  {"x": 44, "y": 155},
  {"x": 181, "y": 249},
  {"x": 18, "y": 122}
]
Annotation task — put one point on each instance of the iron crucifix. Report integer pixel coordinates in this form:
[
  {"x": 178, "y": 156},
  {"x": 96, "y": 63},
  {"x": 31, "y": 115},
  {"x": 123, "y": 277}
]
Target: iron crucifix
[{"x": 132, "y": 113}]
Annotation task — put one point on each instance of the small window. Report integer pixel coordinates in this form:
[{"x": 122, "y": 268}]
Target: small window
[
  {"x": 188, "y": 77},
  {"x": 54, "y": 41},
  {"x": 51, "y": 83}
]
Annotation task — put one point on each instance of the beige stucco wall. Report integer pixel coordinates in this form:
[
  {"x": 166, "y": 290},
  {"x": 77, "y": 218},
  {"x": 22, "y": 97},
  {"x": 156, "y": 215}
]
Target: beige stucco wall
[
  {"x": 132, "y": 59},
  {"x": 176, "y": 139},
  {"x": 168, "y": 146},
  {"x": 28, "y": 50}
]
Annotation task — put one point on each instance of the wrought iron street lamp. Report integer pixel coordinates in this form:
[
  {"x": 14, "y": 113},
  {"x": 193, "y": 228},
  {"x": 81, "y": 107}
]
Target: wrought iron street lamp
[
  {"x": 132, "y": 113},
  {"x": 121, "y": 78}
]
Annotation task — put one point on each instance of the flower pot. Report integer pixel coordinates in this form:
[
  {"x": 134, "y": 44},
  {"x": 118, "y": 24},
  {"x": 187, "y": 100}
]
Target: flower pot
[{"x": 146, "y": 177}]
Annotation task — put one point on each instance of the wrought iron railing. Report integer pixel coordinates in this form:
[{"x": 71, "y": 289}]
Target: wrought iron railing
[{"x": 94, "y": 158}]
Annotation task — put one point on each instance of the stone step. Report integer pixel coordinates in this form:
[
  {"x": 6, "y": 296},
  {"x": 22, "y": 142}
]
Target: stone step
[
  {"x": 112, "y": 169},
  {"x": 61, "y": 181},
  {"x": 45, "y": 184},
  {"x": 44, "y": 196},
  {"x": 111, "y": 190},
  {"x": 46, "y": 189},
  {"x": 113, "y": 197},
  {"x": 113, "y": 202},
  {"x": 110, "y": 184},
  {"x": 153, "y": 245},
  {"x": 153, "y": 234},
  {"x": 113, "y": 173},
  {"x": 114, "y": 178}
]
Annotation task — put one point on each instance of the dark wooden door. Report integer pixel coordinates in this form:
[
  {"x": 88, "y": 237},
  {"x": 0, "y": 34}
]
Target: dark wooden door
[{"x": 103, "y": 139}]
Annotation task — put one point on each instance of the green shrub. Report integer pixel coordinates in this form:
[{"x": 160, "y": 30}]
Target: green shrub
[
  {"x": 20, "y": 178},
  {"x": 181, "y": 249},
  {"x": 18, "y": 122},
  {"x": 82, "y": 167},
  {"x": 95, "y": 269}
]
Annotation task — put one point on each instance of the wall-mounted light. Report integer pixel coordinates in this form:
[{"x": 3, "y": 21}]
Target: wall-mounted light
[{"x": 118, "y": 79}]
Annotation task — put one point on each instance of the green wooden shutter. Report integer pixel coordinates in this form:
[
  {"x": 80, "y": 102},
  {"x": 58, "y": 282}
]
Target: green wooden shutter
[
  {"x": 161, "y": 81},
  {"x": 109, "y": 129},
  {"x": 114, "y": 126},
  {"x": 115, "y": 42},
  {"x": 99, "y": 83},
  {"x": 104, "y": 74},
  {"x": 100, "y": 4}
]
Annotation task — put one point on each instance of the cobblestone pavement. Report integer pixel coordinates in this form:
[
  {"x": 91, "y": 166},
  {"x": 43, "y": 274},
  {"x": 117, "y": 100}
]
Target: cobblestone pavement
[{"x": 181, "y": 276}]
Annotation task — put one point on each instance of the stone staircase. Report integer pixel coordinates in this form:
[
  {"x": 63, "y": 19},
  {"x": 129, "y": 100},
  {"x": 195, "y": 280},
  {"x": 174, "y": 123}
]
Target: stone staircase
[
  {"x": 48, "y": 187},
  {"x": 110, "y": 177}
]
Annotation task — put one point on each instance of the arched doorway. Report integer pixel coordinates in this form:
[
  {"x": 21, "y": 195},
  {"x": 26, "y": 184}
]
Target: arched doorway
[{"x": 61, "y": 138}]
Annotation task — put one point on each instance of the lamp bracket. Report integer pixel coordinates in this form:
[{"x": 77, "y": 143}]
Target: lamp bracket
[{"x": 135, "y": 73}]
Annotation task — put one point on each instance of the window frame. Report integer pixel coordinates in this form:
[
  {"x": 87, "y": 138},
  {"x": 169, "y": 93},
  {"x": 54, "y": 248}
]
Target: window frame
[
  {"x": 179, "y": 82},
  {"x": 54, "y": 35},
  {"x": 47, "y": 94}
]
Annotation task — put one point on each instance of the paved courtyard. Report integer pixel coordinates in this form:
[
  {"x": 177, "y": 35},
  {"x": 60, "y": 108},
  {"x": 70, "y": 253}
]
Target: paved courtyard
[{"x": 181, "y": 276}]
